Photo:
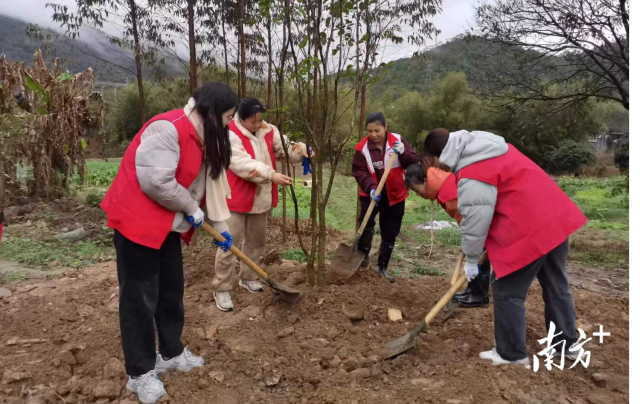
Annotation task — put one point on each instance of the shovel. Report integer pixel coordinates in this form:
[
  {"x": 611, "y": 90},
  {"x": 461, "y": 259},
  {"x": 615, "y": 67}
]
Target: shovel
[
  {"x": 401, "y": 345},
  {"x": 287, "y": 293},
  {"x": 347, "y": 259}
]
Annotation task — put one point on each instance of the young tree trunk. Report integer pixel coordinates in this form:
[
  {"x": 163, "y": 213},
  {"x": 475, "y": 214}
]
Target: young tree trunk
[
  {"x": 270, "y": 70},
  {"x": 193, "y": 67},
  {"x": 226, "y": 59},
  {"x": 138, "y": 58},
  {"x": 243, "y": 62}
]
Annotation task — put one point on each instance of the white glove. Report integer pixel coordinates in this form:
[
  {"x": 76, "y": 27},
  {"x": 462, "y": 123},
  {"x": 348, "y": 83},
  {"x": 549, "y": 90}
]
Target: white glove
[
  {"x": 471, "y": 270},
  {"x": 197, "y": 218},
  {"x": 398, "y": 147}
]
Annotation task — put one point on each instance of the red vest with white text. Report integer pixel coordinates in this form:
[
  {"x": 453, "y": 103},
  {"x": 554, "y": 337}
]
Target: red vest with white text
[
  {"x": 243, "y": 192},
  {"x": 396, "y": 190},
  {"x": 532, "y": 214},
  {"x": 129, "y": 210}
]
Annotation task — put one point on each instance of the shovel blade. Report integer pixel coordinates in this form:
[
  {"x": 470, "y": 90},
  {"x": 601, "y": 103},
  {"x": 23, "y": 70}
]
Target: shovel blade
[
  {"x": 448, "y": 310},
  {"x": 399, "y": 346},
  {"x": 286, "y": 293},
  {"x": 345, "y": 262}
]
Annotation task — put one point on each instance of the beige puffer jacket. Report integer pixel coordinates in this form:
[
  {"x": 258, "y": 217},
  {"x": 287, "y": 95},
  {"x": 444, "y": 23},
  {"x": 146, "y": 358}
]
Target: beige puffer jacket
[{"x": 260, "y": 170}]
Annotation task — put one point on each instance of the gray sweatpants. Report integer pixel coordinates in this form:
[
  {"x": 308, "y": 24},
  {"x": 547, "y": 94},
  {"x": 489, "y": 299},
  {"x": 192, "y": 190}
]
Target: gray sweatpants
[{"x": 510, "y": 293}]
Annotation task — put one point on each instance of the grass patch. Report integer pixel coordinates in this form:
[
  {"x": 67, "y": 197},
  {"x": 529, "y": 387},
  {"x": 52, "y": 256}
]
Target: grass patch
[
  {"x": 43, "y": 253},
  {"x": 422, "y": 270},
  {"x": 602, "y": 258},
  {"x": 100, "y": 174},
  {"x": 12, "y": 277},
  {"x": 293, "y": 254}
]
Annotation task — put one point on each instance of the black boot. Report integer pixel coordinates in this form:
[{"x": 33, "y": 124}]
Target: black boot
[
  {"x": 364, "y": 245},
  {"x": 471, "y": 287},
  {"x": 479, "y": 294},
  {"x": 384, "y": 256}
]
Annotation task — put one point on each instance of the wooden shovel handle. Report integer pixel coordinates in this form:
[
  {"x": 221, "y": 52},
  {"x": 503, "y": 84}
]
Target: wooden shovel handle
[
  {"x": 235, "y": 251},
  {"x": 444, "y": 300},
  {"x": 452, "y": 290},
  {"x": 456, "y": 271},
  {"x": 387, "y": 169}
]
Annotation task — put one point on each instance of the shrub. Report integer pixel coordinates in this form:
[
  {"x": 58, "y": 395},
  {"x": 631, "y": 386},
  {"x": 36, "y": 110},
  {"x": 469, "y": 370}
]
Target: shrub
[{"x": 570, "y": 156}]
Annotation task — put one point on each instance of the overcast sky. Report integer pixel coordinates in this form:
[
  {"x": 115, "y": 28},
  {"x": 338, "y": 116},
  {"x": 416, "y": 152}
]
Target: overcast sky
[{"x": 456, "y": 18}]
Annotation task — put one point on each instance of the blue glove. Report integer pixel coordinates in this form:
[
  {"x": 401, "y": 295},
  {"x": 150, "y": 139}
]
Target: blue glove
[
  {"x": 306, "y": 164},
  {"x": 374, "y": 197},
  {"x": 197, "y": 218},
  {"x": 225, "y": 245}
]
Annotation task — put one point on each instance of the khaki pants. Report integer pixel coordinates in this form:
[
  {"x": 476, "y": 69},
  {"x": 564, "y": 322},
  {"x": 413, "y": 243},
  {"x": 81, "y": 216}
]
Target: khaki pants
[{"x": 247, "y": 229}]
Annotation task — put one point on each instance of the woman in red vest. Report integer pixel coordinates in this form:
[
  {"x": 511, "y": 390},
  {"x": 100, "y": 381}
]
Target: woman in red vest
[
  {"x": 153, "y": 202},
  {"x": 442, "y": 187},
  {"x": 369, "y": 162},
  {"x": 254, "y": 181},
  {"x": 511, "y": 207}
]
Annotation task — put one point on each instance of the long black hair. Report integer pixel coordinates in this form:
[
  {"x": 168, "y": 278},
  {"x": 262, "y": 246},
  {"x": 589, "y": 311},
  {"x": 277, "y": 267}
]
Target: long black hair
[
  {"x": 249, "y": 107},
  {"x": 212, "y": 100}
]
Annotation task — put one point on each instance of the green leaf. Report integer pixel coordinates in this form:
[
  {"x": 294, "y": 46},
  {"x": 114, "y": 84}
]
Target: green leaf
[
  {"x": 65, "y": 148},
  {"x": 41, "y": 111},
  {"x": 33, "y": 85},
  {"x": 65, "y": 77},
  {"x": 303, "y": 44},
  {"x": 83, "y": 143}
]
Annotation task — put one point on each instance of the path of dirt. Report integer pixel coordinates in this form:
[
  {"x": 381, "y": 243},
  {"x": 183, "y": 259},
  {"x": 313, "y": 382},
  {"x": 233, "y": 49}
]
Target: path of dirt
[{"x": 321, "y": 358}]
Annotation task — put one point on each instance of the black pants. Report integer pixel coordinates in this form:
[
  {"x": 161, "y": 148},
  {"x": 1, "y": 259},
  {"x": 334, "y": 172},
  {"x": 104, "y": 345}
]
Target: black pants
[
  {"x": 510, "y": 293},
  {"x": 151, "y": 288},
  {"x": 390, "y": 224}
]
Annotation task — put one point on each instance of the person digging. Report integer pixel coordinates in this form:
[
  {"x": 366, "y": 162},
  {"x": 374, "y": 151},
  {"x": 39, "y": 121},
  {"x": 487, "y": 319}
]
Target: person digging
[
  {"x": 511, "y": 207},
  {"x": 255, "y": 146},
  {"x": 152, "y": 204},
  {"x": 369, "y": 162},
  {"x": 442, "y": 188}
]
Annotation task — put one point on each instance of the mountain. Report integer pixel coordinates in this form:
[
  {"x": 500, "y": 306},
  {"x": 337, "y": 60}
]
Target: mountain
[{"x": 110, "y": 63}]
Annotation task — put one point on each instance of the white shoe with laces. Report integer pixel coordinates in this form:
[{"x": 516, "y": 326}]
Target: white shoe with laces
[
  {"x": 251, "y": 286},
  {"x": 148, "y": 387},
  {"x": 183, "y": 362},
  {"x": 495, "y": 357},
  {"x": 223, "y": 300}
]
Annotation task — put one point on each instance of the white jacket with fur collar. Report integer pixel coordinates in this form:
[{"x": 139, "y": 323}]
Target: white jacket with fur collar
[{"x": 260, "y": 170}]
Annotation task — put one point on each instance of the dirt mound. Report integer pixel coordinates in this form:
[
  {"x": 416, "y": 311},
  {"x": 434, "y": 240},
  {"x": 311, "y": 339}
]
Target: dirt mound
[{"x": 65, "y": 345}]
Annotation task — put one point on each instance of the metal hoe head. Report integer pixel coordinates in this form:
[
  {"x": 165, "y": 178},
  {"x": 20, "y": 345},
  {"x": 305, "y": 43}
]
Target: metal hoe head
[{"x": 346, "y": 261}]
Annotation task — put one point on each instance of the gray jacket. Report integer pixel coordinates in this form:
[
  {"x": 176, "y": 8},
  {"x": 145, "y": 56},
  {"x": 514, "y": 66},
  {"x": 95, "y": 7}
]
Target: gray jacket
[
  {"x": 156, "y": 163},
  {"x": 476, "y": 199}
]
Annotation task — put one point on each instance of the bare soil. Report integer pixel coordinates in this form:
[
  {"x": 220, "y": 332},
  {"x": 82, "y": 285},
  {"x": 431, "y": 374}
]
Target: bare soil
[{"x": 75, "y": 356}]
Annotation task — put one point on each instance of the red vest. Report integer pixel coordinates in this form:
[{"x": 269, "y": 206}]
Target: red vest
[
  {"x": 243, "y": 192},
  {"x": 532, "y": 215},
  {"x": 396, "y": 190},
  {"x": 129, "y": 210}
]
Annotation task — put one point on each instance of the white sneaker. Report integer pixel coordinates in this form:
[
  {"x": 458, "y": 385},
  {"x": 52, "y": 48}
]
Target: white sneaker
[
  {"x": 223, "y": 300},
  {"x": 497, "y": 359},
  {"x": 251, "y": 286},
  {"x": 569, "y": 354},
  {"x": 183, "y": 362},
  {"x": 148, "y": 387}
]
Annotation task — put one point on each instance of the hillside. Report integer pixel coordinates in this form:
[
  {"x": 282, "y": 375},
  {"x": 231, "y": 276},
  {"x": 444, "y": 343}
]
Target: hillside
[
  {"x": 456, "y": 55},
  {"x": 93, "y": 49}
]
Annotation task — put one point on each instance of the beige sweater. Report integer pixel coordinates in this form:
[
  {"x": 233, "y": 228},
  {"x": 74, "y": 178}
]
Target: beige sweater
[{"x": 260, "y": 169}]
